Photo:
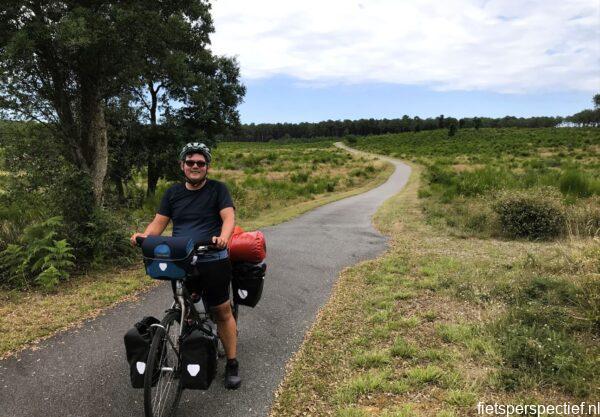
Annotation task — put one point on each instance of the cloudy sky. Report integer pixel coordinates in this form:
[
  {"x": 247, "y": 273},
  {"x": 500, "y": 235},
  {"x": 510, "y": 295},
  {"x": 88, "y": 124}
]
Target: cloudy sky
[{"x": 316, "y": 60}]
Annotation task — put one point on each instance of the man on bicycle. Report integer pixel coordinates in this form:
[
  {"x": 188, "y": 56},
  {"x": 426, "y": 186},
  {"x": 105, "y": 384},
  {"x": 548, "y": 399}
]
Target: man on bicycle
[{"x": 202, "y": 208}]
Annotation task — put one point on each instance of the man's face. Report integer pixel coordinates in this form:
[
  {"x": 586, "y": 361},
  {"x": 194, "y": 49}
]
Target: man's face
[{"x": 195, "y": 168}]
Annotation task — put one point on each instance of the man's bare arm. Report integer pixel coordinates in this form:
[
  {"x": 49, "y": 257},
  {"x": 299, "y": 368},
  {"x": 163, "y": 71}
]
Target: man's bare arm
[
  {"x": 228, "y": 216},
  {"x": 155, "y": 228}
]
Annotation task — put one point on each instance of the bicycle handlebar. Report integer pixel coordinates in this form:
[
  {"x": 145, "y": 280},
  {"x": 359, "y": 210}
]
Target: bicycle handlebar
[{"x": 205, "y": 245}]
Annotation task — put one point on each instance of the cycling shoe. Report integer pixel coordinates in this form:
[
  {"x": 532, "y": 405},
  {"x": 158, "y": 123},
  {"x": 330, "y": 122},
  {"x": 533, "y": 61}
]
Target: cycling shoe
[{"x": 232, "y": 380}]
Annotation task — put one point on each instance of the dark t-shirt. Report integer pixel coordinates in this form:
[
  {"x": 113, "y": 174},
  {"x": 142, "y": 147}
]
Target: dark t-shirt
[{"x": 195, "y": 213}]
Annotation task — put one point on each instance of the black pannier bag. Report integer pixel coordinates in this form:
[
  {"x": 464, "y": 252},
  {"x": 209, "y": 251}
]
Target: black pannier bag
[
  {"x": 137, "y": 347},
  {"x": 248, "y": 282},
  {"x": 166, "y": 257},
  {"x": 198, "y": 358}
]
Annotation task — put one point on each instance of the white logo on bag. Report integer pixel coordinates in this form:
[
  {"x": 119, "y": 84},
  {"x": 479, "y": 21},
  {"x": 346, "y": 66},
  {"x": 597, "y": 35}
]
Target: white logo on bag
[
  {"x": 242, "y": 293},
  {"x": 162, "y": 266},
  {"x": 141, "y": 367},
  {"x": 193, "y": 369}
]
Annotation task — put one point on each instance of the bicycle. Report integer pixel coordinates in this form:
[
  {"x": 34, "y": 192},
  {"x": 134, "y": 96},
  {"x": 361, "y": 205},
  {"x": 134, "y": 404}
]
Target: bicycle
[{"x": 162, "y": 384}]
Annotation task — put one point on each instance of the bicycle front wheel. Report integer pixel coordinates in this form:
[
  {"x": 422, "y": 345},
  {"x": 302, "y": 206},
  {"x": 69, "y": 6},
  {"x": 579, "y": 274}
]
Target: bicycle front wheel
[{"x": 162, "y": 388}]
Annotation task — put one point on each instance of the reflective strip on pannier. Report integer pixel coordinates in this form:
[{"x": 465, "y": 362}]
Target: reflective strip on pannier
[
  {"x": 137, "y": 346},
  {"x": 198, "y": 358},
  {"x": 248, "y": 281}
]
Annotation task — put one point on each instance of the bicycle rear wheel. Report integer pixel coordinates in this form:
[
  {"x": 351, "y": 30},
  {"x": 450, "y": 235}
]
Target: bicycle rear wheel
[{"x": 162, "y": 389}]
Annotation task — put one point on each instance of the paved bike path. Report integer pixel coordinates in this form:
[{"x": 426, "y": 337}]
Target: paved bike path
[{"x": 83, "y": 372}]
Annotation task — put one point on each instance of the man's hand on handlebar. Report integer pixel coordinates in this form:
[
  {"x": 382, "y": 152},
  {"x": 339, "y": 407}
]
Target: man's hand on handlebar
[
  {"x": 136, "y": 235},
  {"x": 219, "y": 242}
]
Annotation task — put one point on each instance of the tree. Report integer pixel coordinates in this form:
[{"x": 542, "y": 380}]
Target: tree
[
  {"x": 440, "y": 121},
  {"x": 452, "y": 128},
  {"x": 596, "y": 101},
  {"x": 184, "y": 81},
  {"x": 124, "y": 143},
  {"x": 61, "y": 62}
]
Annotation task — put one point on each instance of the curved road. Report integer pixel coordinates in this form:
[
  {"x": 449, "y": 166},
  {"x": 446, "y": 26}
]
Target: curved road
[{"x": 83, "y": 372}]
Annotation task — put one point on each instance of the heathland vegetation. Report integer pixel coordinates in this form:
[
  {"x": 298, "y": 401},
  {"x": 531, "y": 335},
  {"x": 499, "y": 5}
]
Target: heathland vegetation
[
  {"x": 529, "y": 183},
  {"x": 45, "y": 284},
  {"x": 489, "y": 293},
  {"x": 37, "y": 234}
]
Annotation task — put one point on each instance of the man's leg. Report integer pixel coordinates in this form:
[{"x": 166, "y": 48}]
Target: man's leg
[
  {"x": 228, "y": 333},
  {"x": 227, "y": 328}
]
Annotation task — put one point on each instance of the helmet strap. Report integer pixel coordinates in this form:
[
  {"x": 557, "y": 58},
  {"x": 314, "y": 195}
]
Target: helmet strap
[{"x": 193, "y": 182}]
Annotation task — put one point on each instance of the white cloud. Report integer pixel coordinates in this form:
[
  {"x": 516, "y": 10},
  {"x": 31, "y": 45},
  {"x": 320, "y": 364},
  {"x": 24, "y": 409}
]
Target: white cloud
[{"x": 492, "y": 45}]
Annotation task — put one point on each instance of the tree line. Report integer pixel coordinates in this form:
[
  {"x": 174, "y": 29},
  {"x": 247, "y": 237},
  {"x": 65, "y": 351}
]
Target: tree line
[
  {"x": 338, "y": 128},
  {"x": 264, "y": 132}
]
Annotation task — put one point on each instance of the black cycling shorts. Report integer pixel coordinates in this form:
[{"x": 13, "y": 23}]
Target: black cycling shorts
[{"x": 212, "y": 280}]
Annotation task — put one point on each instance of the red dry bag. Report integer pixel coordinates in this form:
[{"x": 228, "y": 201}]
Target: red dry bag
[{"x": 247, "y": 246}]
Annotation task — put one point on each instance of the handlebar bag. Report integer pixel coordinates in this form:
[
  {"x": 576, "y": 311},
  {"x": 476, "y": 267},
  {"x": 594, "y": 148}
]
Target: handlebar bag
[
  {"x": 198, "y": 358},
  {"x": 247, "y": 246},
  {"x": 167, "y": 257},
  {"x": 248, "y": 281},
  {"x": 137, "y": 346}
]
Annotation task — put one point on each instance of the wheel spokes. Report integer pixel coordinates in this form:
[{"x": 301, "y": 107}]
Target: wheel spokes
[{"x": 167, "y": 366}]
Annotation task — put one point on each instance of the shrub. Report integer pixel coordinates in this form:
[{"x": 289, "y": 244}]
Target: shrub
[
  {"x": 56, "y": 265},
  {"x": 583, "y": 219},
  {"x": 531, "y": 214},
  {"x": 39, "y": 258},
  {"x": 299, "y": 177},
  {"x": 12, "y": 273},
  {"x": 483, "y": 180},
  {"x": 575, "y": 183},
  {"x": 439, "y": 174},
  {"x": 109, "y": 240}
]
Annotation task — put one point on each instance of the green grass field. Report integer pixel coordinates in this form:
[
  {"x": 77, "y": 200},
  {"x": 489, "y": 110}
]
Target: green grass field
[
  {"x": 451, "y": 316},
  {"x": 472, "y": 175},
  {"x": 265, "y": 177},
  {"x": 270, "y": 184}
]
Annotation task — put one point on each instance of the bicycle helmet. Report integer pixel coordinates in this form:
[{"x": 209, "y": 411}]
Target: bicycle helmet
[{"x": 195, "y": 147}]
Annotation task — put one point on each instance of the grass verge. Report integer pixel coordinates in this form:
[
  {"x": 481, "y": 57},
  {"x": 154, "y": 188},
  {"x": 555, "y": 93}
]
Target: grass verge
[
  {"x": 441, "y": 322},
  {"x": 28, "y": 317}
]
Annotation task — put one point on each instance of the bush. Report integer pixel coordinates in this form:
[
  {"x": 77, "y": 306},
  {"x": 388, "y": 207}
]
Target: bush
[
  {"x": 299, "y": 177},
  {"x": 533, "y": 214},
  {"x": 109, "y": 240},
  {"x": 439, "y": 174},
  {"x": 583, "y": 219},
  {"x": 576, "y": 183},
  {"x": 481, "y": 181},
  {"x": 38, "y": 259}
]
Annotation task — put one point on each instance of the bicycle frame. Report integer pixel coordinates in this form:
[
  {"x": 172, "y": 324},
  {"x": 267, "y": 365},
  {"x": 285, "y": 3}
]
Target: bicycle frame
[
  {"x": 179, "y": 293},
  {"x": 180, "y": 298}
]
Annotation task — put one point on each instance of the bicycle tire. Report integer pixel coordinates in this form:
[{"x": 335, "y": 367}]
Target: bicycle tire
[{"x": 162, "y": 389}]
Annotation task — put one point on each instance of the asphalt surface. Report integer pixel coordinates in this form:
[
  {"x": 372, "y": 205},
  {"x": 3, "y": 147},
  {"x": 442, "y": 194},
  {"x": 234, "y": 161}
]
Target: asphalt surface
[{"x": 84, "y": 372}]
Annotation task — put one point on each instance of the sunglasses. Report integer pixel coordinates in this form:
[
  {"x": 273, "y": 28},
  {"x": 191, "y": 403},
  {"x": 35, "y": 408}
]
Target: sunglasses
[{"x": 200, "y": 164}]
